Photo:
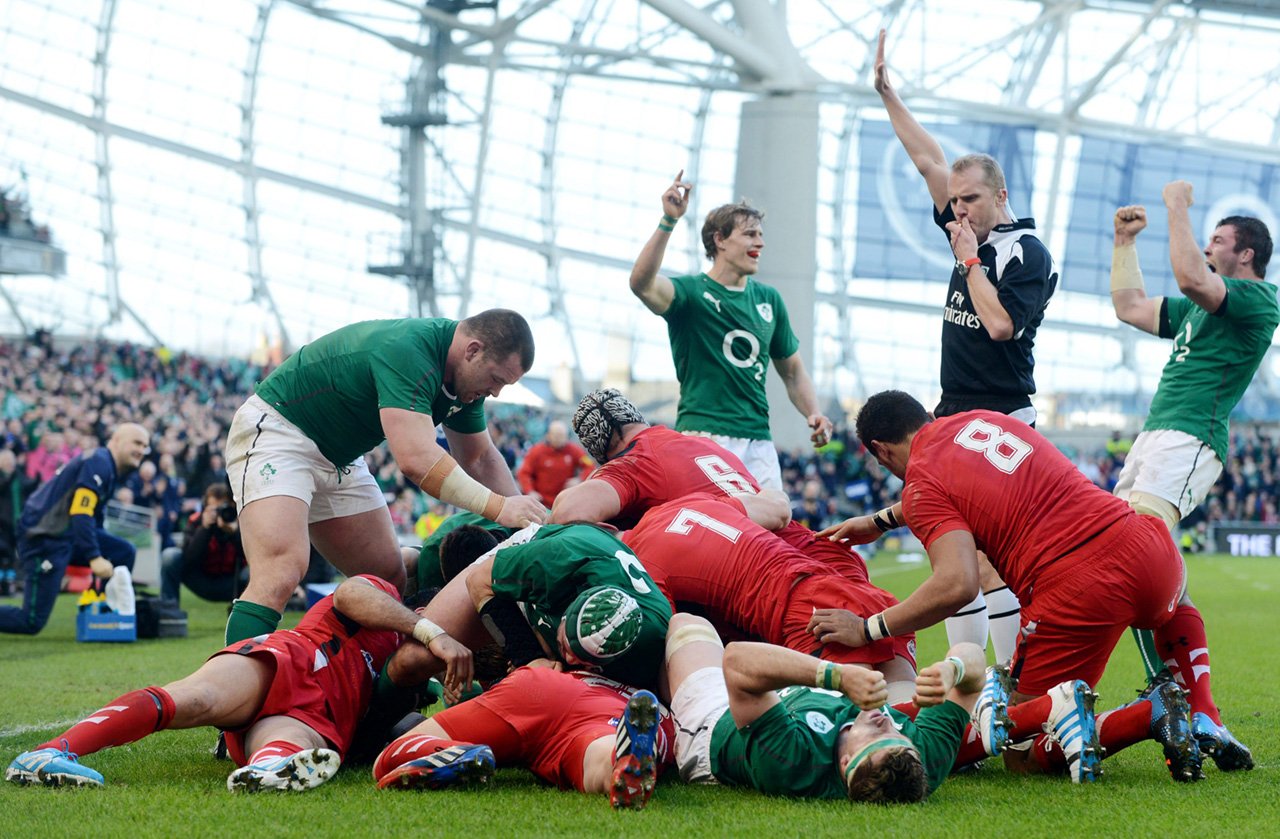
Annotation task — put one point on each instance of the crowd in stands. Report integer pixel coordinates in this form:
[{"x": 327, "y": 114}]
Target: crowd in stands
[{"x": 56, "y": 401}]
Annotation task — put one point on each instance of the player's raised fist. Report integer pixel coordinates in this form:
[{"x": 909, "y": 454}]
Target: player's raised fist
[
  {"x": 864, "y": 687},
  {"x": 1130, "y": 221},
  {"x": 1178, "y": 194}
]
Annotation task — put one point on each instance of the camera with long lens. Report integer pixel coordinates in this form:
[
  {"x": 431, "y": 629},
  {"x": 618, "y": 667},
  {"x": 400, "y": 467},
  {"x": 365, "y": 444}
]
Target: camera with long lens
[{"x": 227, "y": 513}]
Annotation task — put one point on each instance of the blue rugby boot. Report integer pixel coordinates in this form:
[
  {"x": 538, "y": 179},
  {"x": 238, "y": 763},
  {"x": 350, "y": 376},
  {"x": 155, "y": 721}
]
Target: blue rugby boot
[
  {"x": 635, "y": 765},
  {"x": 1220, "y": 744},
  {"x": 1171, "y": 726},
  {"x": 991, "y": 713},
  {"x": 51, "y": 768},
  {"x": 1073, "y": 726},
  {"x": 457, "y": 766}
]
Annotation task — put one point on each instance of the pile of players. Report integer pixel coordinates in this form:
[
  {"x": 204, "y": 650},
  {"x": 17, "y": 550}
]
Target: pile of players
[{"x": 826, "y": 702}]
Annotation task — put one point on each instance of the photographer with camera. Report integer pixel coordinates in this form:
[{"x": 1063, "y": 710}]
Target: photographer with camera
[{"x": 212, "y": 551}]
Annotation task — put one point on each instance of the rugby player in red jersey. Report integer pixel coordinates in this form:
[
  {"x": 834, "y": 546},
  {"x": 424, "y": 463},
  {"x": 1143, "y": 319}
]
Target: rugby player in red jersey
[
  {"x": 576, "y": 730},
  {"x": 643, "y": 466},
  {"x": 1083, "y": 564},
  {"x": 289, "y": 702},
  {"x": 707, "y": 552}
]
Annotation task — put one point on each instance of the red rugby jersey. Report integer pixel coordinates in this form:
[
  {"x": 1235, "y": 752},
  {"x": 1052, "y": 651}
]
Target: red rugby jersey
[{"x": 1025, "y": 503}]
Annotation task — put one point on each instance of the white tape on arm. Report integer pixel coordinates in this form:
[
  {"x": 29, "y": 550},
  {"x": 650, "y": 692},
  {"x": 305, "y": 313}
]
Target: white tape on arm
[
  {"x": 448, "y": 481},
  {"x": 426, "y": 631},
  {"x": 1125, "y": 271}
]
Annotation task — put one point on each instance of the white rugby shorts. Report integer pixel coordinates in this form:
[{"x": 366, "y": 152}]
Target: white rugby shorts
[
  {"x": 1171, "y": 465},
  {"x": 699, "y": 703},
  {"x": 268, "y": 456},
  {"x": 759, "y": 456}
]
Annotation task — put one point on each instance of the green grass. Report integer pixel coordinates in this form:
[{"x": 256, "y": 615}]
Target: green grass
[{"x": 169, "y": 784}]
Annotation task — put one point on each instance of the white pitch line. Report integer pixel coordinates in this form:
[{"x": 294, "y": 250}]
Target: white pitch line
[{"x": 38, "y": 726}]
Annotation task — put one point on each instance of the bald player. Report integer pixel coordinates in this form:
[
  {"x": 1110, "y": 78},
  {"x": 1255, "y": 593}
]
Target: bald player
[{"x": 62, "y": 524}]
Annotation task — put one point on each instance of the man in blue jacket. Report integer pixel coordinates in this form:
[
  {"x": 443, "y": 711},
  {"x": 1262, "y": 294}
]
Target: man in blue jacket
[{"x": 62, "y": 524}]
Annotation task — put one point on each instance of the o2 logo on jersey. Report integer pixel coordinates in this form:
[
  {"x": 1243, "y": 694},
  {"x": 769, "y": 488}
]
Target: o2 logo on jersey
[
  {"x": 1182, "y": 343},
  {"x": 753, "y": 351},
  {"x": 1003, "y": 449}
]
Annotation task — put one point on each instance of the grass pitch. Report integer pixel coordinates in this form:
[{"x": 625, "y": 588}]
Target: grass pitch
[{"x": 169, "y": 784}]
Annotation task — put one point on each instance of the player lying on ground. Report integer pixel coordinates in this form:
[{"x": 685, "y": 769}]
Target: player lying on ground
[
  {"x": 762, "y": 716},
  {"x": 574, "y": 730},
  {"x": 706, "y": 552},
  {"x": 289, "y": 703}
]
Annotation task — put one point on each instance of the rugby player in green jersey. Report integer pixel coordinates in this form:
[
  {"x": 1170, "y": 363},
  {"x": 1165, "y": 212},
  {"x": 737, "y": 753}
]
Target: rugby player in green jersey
[
  {"x": 725, "y": 328},
  {"x": 1221, "y": 330},
  {"x": 294, "y": 450}
]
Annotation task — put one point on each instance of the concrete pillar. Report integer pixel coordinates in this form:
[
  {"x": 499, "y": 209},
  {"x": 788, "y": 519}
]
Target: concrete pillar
[{"x": 778, "y": 172}]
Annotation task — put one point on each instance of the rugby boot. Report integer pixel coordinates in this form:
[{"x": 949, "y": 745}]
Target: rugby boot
[
  {"x": 1073, "y": 726},
  {"x": 457, "y": 766},
  {"x": 296, "y": 772},
  {"x": 635, "y": 769},
  {"x": 51, "y": 768},
  {"x": 991, "y": 713},
  {"x": 1220, "y": 744},
  {"x": 1171, "y": 726}
]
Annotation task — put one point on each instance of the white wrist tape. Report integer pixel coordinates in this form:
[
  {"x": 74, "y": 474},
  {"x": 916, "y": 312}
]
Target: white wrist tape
[
  {"x": 876, "y": 627},
  {"x": 448, "y": 481},
  {"x": 426, "y": 631},
  {"x": 1125, "y": 271},
  {"x": 959, "y": 666}
]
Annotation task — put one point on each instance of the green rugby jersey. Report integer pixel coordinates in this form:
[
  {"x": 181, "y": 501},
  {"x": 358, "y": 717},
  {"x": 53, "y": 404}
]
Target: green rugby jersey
[
  {"x": 334, "y": 387},
  {"x": 1213, "y": 360},
  {"x": 548, "y": 572},
  {"x": 791, "y": 748},
  {"x": 722, "y": 341}
]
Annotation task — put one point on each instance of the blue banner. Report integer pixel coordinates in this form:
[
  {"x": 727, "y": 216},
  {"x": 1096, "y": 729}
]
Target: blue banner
[
  {"x": 896, "y": 236},
  {"x": 1114, "y": 173}
]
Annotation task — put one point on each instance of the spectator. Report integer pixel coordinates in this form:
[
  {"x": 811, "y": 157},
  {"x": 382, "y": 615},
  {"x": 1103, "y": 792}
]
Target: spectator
[
  {"x": 813, "y": 511},
  {"x": 553, "y": 465},
  {"x": 169, "y": 490},
  {"x": 15, "y": 486},
  {"x": 211, "y": 555}
]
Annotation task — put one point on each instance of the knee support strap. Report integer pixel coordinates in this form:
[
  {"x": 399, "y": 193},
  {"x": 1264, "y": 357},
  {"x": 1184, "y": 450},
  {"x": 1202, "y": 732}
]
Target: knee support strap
[
  {"x": 1153, "y": 505},
  {"x": 690, "y": 634}
]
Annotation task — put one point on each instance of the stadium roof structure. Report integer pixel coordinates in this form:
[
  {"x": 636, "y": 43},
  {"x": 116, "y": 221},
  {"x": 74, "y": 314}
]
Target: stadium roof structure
[{"x": 224, "y": 176}]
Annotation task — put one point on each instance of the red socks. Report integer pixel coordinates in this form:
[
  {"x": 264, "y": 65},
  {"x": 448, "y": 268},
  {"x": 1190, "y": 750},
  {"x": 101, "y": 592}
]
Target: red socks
[
  {"x": 274, "y": 750},
  {"x": 1122, "y": 727},
  {"x": 410, "y": 747},
  {"x": 124, "y": 720},
  {"x": 1185, "y": 649},
  {"x": 1117, "y": 729}
]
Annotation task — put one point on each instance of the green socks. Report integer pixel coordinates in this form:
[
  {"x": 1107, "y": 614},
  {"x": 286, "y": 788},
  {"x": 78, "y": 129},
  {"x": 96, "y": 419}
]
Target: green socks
[
  {"x": 1146, "y": 640},
  {"x": 249, "y": 620}
]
